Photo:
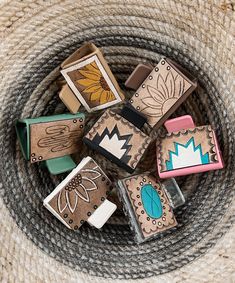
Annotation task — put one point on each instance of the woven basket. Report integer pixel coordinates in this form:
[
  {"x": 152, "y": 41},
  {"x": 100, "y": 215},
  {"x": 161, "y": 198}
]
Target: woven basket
[{"x": 36, "y": 36}]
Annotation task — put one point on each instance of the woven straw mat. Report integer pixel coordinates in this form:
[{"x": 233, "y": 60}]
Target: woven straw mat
[{"x": 35, "y": 37}]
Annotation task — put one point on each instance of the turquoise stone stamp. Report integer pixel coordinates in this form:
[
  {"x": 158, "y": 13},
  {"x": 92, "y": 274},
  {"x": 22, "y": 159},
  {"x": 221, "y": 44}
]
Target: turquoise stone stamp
[
  {"x": 151, "y": 201},
  {"x": 149, "y": 204}
]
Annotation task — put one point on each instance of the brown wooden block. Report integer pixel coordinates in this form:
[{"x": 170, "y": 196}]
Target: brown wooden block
[
  {"x": 55, "y": 138},
  {"x": 137, "y": 77},
  {"x": 162, "y": 92},
  {"x": 77, "y": 197},
  {"x": 147, "y": 205},
  {"x": 118, "y": 140},
  {"x": 186, "y": 148},
  {"x": 90, "y": 78},
  {"x": 69, "y": 99}
]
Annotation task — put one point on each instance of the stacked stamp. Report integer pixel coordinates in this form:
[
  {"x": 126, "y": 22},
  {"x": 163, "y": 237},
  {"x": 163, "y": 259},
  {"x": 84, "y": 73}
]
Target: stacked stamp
[{"x": 149, "y": 198}]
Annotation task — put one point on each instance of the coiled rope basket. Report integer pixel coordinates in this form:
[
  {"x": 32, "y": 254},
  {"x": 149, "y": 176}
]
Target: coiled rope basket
[{"x": 36, "y": 36}]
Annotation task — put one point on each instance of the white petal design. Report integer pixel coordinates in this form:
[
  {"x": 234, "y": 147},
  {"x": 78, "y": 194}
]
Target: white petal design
[
  {"x": 61, "y": 203},
  {"x": 82, "y": 193},
  {"x": 71, "y": 201},
  {"x": 93, "y": 184},
  {"x": 94, "y": 174}
]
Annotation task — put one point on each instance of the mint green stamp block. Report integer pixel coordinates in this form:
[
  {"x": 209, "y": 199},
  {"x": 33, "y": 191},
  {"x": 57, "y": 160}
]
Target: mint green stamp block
[{"x": 50, "y": 140}]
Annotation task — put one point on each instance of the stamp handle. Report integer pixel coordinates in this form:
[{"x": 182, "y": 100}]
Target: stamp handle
[
  {"x": 181, "y": 123},
  {"x": 100, "y": 216},
  {"x": 137, "y": 77},
  {"x": 173, "y": 192}
]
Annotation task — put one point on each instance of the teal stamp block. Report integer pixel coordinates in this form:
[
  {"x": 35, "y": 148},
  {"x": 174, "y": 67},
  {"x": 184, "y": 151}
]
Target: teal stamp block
[{"x": 50, "y": 140}]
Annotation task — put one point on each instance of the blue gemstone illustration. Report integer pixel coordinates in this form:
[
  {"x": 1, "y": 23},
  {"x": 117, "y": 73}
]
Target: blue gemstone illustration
[{"x": 151, "y": 201}]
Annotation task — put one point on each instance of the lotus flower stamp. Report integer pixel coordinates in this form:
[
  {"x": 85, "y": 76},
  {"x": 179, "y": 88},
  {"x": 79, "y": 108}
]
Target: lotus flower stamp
[
  {"x": 164, "y": 89},
  {"x": 164, "y": 95}
]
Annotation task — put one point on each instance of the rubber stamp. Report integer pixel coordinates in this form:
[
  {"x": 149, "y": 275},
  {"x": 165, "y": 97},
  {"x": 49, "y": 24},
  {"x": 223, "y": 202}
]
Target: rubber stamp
[
  {"x": 187, "y": 149},
  {"x": 50, "y": 140},
  {"x": 81, "y": 197},
  {"x": 160, "y": 90},
  {"x": 118, "y": 139},
  {"x": 149, "y": 204},
  {"x": 90, "y": 81}
]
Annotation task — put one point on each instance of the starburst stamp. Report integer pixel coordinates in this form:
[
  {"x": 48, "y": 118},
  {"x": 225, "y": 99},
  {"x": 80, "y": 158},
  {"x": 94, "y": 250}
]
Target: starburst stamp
[
  {"x": 118, "y": 140},
  {"x": 187, "y": 149}
]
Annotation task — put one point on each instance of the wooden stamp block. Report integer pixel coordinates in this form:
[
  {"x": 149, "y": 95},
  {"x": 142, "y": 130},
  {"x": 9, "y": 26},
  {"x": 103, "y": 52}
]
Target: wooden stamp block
[
  {"x": 147, "y": 206},
  {"x": 69, "y": 99},
  {"x": 90, "y": 79},
  {"x": 187, "y": 149},
  {"x": 118, "y": 140},
  {"x": 81, "y": 197},
  {"x": 51, "y": 137},
  {"x": 162, "y": 91}
]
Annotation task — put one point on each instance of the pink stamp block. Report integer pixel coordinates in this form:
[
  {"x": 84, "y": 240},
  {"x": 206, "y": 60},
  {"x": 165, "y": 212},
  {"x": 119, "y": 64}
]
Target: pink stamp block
[{"x": 187, "y": 149}]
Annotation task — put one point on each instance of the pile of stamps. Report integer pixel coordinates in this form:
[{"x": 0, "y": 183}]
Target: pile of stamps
[{"x": 148, "y": 199}]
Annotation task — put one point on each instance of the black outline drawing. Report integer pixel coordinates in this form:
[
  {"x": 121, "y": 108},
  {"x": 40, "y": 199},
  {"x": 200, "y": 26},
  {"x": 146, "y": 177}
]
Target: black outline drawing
[
  {"x": 59, "y": 138},
  {"x": 98, "y": 138},
  {"x": 164, "y": 91}
]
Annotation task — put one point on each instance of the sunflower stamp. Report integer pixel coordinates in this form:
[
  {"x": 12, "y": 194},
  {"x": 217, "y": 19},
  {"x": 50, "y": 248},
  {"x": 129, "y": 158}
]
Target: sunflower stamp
[
  {"x": 160, "y": 91},
  {"x": 147, "y": 205},
  {"x": 81, "y": 197},
  {"x": 90, "y": 80},
  {"x": 187, "y": 149},
  {"x": 118, "y": 140}
]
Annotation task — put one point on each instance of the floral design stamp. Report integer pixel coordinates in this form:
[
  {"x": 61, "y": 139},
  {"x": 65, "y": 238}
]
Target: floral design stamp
[
  {"x": 161, "y": 92},
  {"x": 80, "y": 195},
  {"x": 90, "y": 79}
]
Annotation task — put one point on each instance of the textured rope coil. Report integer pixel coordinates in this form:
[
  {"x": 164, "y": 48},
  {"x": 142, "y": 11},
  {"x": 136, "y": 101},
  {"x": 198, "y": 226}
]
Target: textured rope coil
[{"x": 36, "y": 36}]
